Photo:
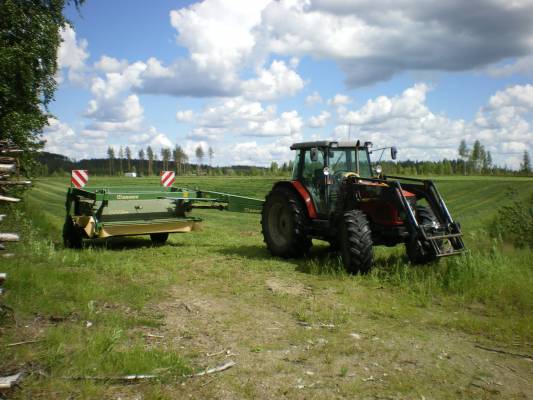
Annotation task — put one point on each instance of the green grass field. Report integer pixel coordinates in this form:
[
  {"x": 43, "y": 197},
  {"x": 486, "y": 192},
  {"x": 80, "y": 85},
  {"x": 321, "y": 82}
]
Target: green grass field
[{"x": 295, "y": 328}]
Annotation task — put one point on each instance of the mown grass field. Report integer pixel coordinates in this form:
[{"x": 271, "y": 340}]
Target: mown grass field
[{"x": 295, "y": 328}]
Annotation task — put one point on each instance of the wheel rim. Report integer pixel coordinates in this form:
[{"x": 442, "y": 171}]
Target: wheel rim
[{"x": 279, "y": 224}]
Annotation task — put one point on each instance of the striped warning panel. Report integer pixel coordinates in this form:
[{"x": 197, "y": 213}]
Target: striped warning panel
[
  {"x": 79, "y": 177},
  {"x": 167, "y": 178}
]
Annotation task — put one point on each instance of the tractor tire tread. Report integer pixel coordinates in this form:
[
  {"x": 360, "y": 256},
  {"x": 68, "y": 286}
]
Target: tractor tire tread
[
  {"x": 300, "y": 243},
  {"x": 357, "y": 242}
]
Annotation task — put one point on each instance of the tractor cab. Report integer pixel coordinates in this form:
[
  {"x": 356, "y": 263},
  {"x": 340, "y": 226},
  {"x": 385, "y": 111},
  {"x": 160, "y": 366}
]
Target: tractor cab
[{"x": 322, "y": 166}]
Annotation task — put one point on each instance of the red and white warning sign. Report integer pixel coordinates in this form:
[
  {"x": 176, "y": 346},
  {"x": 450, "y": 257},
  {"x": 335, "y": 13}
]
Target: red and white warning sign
[
  {"x": 79, "y": 177},
  {"x": 167, "y": 178}
]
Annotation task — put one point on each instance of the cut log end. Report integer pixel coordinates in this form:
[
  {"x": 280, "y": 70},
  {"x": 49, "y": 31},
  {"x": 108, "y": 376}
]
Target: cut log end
[
  {"x": 9, "y": 199},
  {"x": 9, "y": 237}
]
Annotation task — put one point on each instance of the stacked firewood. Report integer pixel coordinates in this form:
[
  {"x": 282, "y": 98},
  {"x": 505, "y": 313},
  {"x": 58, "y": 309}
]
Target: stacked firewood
[{"x": 9, "y": 169}]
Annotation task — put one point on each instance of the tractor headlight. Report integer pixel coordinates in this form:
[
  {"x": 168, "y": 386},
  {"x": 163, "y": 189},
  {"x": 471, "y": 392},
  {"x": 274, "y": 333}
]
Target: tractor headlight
[{"x": 378, "y": 169}]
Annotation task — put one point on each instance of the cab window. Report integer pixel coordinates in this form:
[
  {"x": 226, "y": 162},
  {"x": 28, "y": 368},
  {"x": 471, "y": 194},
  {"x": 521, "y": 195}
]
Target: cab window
[
  {"x": 365, "y": 169},
  {"x": 313, "y": 169},
  {"x": 313, "y": 178}
]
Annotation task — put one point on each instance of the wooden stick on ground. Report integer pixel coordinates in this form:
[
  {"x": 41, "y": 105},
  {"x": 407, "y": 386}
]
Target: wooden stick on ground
[
  {"x": 503, "y": 352},
  {"x": 152, "y": 336},
  {"x": 220, "y": 368},
  {"x": 7, "y": 382},
  {"x": 127, "y": 378},
  {"x": 24, "y": 342}
]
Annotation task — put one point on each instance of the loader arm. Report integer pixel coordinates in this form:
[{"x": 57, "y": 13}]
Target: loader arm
[{"x": 447, "y": 230}]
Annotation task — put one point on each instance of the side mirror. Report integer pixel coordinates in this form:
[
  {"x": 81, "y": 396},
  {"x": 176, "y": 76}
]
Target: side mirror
[
  {"x": 393, "y": 152},
  {"x": 314, "y": 154}
]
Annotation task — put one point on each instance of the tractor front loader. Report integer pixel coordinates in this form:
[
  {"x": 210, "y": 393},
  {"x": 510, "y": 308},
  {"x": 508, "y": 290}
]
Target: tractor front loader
[{"x": 336, "y": 196}]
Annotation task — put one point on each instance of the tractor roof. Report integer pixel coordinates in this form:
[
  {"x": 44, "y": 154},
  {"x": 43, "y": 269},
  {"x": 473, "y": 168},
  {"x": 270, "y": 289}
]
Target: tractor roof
[{"x": 324, "y": 143}]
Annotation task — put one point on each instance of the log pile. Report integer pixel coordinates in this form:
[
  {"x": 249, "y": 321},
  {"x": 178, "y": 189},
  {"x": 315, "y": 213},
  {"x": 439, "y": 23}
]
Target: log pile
[{"x": 9, "y": 178}]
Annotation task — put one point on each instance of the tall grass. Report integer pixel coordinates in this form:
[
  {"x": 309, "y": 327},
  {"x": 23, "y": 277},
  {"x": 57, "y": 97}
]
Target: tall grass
[
  {"x": 492, "y": 277},
  {"x": 513, "y": 222}
]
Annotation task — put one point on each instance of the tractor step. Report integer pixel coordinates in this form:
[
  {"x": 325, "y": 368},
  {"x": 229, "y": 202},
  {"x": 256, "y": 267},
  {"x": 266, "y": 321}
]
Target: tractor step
[
  {"x": 450, "y": 253},
  {"x": 454, "y": 246},
  {"x": 445, "y": 236}
]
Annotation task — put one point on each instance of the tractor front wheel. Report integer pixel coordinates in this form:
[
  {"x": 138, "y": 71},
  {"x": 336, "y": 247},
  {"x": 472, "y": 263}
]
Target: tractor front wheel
[
  {"x": 420, "y": 252},
  {"x": 72, "y": 236},
  {"x": 356, "y": 242},
  {"x": 284, "y": 224},
  {"x": 158, "y": 238}
]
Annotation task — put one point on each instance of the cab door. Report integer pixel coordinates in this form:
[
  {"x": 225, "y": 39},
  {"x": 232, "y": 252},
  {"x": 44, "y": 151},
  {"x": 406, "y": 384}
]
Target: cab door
[{"x": 313, "y": 179}]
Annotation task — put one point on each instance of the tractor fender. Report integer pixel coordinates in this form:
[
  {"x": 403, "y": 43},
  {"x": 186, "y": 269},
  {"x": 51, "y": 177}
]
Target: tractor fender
[{"x": 303, "y": 194}]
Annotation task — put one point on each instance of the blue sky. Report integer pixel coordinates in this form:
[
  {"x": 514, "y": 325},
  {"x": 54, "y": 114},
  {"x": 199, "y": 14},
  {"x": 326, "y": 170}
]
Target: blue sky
[{"x": 248, "y": 78}]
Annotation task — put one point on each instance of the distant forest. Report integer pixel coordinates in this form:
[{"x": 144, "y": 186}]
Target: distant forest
[
  {"x": 471, "y": 161},
  {"x": 50, "y": 164}
]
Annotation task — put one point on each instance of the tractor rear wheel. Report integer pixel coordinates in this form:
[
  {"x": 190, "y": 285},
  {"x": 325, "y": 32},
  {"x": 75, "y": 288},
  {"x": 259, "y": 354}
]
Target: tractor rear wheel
[
  {"x": 72, "y": 236},
  {"x": 284, "y": 224},
  {"x": 356, "y": 242},
  {"x": 420, "y": 252},
  {"x": 158, "y": 238}
]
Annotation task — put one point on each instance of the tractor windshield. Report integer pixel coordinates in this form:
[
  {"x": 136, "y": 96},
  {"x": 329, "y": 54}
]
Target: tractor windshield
[{"x": 350, "y": 160}]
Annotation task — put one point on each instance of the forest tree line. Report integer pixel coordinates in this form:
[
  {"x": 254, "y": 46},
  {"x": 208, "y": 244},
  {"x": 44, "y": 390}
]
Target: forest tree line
[{"x": 147, "y": 162}]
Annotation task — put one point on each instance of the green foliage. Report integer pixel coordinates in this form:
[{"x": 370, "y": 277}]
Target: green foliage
[
  {"x": 525, "y": 166},
  {"x": 165, "y": 156},
  {"x": 29, "y": 39},
  {"x": 514, "y": 222}
]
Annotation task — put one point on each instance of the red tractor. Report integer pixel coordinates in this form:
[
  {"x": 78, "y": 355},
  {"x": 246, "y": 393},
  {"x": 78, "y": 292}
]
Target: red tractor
[{"x": 335, "y": 195}]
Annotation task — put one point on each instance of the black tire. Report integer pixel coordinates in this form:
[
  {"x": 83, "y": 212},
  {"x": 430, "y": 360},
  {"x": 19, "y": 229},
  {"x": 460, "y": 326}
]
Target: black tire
[
  {"x": 420, "y": 252},
  {"x": 158, "y": 238},
  {"x": 356, "y": 242},
  {"x": 72, "y": 235},
  {"x": 284, "y": 224}
]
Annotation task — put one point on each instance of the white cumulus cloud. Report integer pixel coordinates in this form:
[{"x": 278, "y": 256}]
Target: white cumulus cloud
[
  {"x": 313, "y": 98},
  {"x": 239, "y": 116},
  {"x": 339, "y": 100},
  {"x": 277, "y": 81},
  {"x": 319, "y": 121},
  {"x": 185, "y": 115},
  {"x": 72, "y": 54},
  {"x": 406, "y": 121}
]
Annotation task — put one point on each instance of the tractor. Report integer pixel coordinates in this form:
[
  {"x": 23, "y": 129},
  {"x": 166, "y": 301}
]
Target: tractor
[{"x": 336, "y": 195}]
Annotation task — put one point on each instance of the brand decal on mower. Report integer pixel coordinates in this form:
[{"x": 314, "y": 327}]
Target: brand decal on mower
[{"x": 127, "y": 197}]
